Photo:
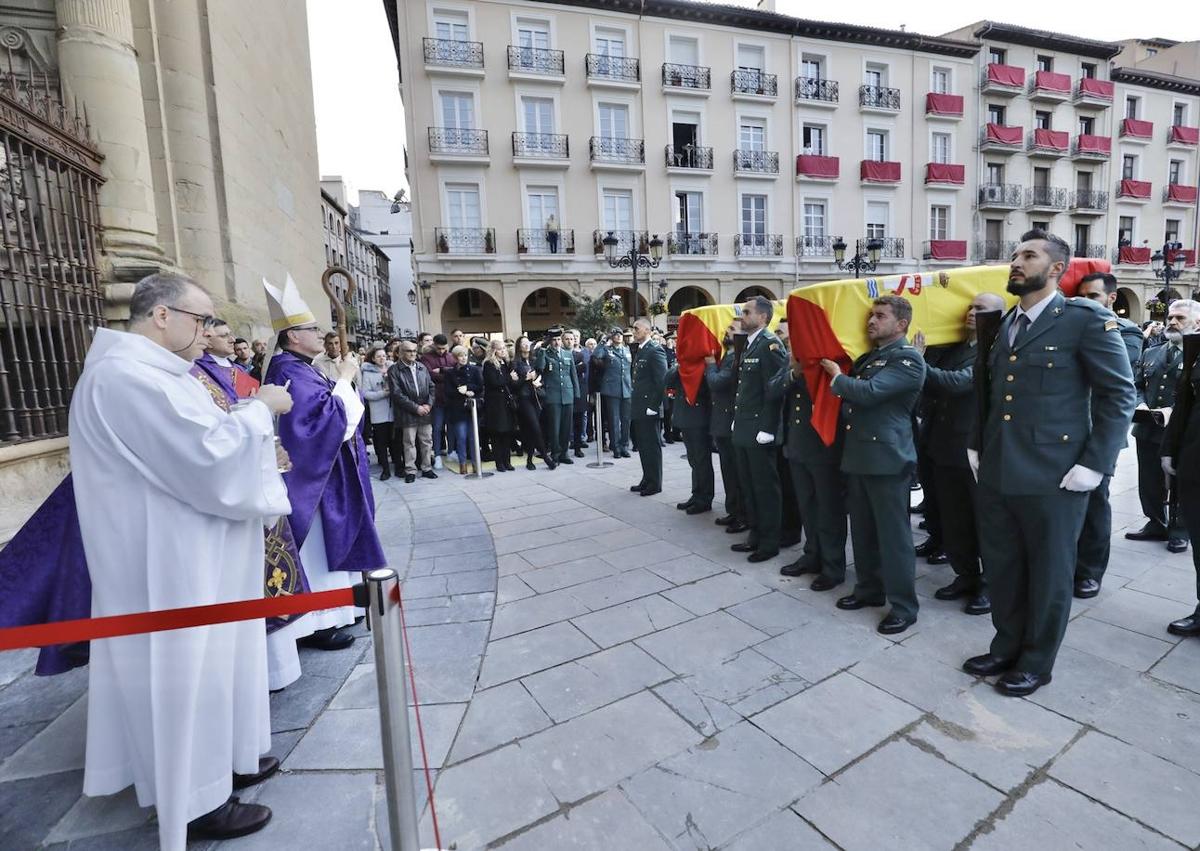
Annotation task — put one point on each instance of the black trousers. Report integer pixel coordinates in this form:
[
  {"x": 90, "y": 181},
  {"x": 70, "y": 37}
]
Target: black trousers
[
  {"x": 727, "y": 458},
  {"x": 1091, "y": 553},
  {"x": 1152, "y": 488},
  {"x": 821, "y": 494},
  {"x": 698, "y": 444},
  {"x": 884, "y": 563},
  {"x": 381, "y": 439},
  {"x": 532, "y": 438},
  {"x": 758, "y": 479},
  {"x": 502, "y": 449},
  {"x": 960, "y": 538},
  {"x": 790, "y": 521},
  {"x": 1189, "y": 513},
  {"x": 579, "y": 416},
  {"x": 645, "y": 431},
  {"x": 930, "y": 495}
]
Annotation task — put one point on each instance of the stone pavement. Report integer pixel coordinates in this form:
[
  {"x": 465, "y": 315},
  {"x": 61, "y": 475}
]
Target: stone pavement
[{"x": 598, "y": 670}]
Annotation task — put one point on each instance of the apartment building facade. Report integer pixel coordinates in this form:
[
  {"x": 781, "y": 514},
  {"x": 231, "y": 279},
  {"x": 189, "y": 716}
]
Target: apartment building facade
[{"x": 369, "y": 312}]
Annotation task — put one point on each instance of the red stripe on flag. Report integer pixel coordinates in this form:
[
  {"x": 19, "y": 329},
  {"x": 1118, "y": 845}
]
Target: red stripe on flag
[
  {"x": 812, "y": 339},
  {"x": 693, "y": 343}
]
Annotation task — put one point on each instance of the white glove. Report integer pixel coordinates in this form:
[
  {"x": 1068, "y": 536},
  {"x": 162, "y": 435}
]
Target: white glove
[
  {"x": 1081, "y": 479},
  {"x": 763, "y": 438},
  {"x": 1142, "y": 406},
  {"x": 650, "y": 412},
  {"x": 1168, "y": 465},
  {"x": 973, "y": 460},
  {"x": 1166, "y": 414}
]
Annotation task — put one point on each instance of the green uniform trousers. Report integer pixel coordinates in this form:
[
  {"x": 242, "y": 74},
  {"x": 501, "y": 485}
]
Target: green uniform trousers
[
  {"x": 727, "y": 456},
  {"x": 884, "y": 561},
  {"x": 1091, "y": 555},
  {"x": 759, "y": 482},
  {"x": 558, "y": 429},
  {"x": 821, "y": 493},
  {"x": 699, "y": 455},
  {"x": 645, "y": 432}
]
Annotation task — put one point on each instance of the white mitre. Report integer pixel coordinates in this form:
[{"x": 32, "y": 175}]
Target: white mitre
[{"x": 286, "y": 306}]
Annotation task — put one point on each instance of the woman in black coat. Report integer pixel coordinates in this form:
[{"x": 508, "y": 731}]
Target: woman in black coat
[
  {"x": 499, "y": 405},
  {"x": 524, "y": 383},
  {"x": 462, "y": 383}
]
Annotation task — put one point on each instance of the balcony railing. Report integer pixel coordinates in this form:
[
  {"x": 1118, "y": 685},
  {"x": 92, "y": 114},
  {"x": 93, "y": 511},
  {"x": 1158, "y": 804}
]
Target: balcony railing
[
  {"x": 752, "y": 82},
  {"x": 626, "y": 239},
  {"x": 544, "y": 241},
  {"x": 689, "y": 156},
  {"x": 686, "y": 76},
  {"x": 1090, "y": 250},
  {"x": 814, "y": 88},
  {"x": 454, "y": 140},
  {"x": 878, "y": 97},
  {"x": 623, "y": 68},
  {"x": 815, "y": 246},
  {"x": 548, "y": 146},
  {"x": 892, "y": 247},
  {"x": 1000, "y": 195},
  {"x": 944, "y": 249},
  {"x": 758, "y": 245},
  {"x": 536, "y": 60},
  {"x": 465, "y": 240},
  {"x": 681, "y": 243},
  {"x": 1047, "y": 197},
  {"x": 1089, "y": 199},
  {"x": 1129, "y": 255},
  {"x": 452, "y": 53},
  {"x": 603, "y": 149},
  {"x": 756, "y": 162},
  {"x": 995, "y": 250}
]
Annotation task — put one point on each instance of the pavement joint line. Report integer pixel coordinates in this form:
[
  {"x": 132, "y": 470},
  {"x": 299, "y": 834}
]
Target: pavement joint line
[{"x": 1124, "y": 815}]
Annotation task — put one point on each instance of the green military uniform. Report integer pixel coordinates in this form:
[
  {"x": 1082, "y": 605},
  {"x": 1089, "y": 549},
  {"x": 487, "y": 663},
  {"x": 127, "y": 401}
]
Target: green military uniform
[
  {"x": 649, "y": 382},
  {"x": 1059, "y": 393},
  {"x": 693, "y": 422},
  {"x": 1155, "y": 378},
  {"x": 560, "y": 383},
  {"x": 756, "y": 410},
  {"x": 720, "y": 381},
  {"x": 879, "y": 456}
]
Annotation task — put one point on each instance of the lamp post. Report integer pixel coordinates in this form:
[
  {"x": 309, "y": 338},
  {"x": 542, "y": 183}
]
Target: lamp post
[
  {"x": 1168, "y": 265},
  {"x": 634, "y": 260},
  {"x": 865, "y": 259}
]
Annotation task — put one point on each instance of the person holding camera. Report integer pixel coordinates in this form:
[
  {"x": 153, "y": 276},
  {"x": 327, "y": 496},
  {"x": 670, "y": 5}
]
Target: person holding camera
[
  {"x": 561, "y": 382},
  {"x": 616, "y": 390}
]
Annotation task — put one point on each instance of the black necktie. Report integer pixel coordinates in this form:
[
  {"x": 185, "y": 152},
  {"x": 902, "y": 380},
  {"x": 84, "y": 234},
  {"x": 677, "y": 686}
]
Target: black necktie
[{"x": 1022, "y": 327}]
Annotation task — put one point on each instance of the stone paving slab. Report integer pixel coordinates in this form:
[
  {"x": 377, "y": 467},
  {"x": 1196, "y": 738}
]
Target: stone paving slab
[
  {"x": 594, "y": 681},
  {"x": 630, "y": 620},
  {"x": 606, "y": 821}
]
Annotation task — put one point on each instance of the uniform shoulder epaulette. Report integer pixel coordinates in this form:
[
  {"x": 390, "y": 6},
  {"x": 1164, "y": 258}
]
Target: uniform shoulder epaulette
[{"x": 1076, "y": 301}]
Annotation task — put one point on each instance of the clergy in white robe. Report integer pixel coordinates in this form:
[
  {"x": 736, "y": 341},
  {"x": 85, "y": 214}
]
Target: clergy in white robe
[{"x": 172, "y": 493}]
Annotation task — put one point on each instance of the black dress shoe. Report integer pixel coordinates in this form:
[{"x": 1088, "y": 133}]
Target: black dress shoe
[
  {"x": 551, "y": 463},
  {"x": 694, "y": 509},
  {"x": 762, "y": 555},
  {"x": 1086, "y": 588},
  {"x": 332, "y": 638},
  {"x": 429, "y": 474},
  {"x": 1020, "y": 683},
  {"x": 938, "y": 557},
  {"x": 1177, "y": 545},
  {"x": 564, "y": 460},
  {"x": 893, "y": 624},
  {"x": 960, "y": 587},
  {"x": 384, "y": 476},
  {"x": 736, "y": 528},
  {"x": 824, "y": 583},
  {"x": 927, "y": 548},
  {"x": 651, "y": 492},
  {"x": 1150, "y": 532},
  {"x": 410, "y": 478},
  {"x": 922, "y": 525},
  {"x": 229, "y": 821},
  {"x": 578, "y": 453},
  {"x": 624, "y": 455},
  {"x": 726, "y": 520},
  {"x": 684, "y": 506},
  {"x": 851, "y": 603},
  {"x": 636, "y": 488},
  {"x": 987, "y": 665},
  {"x": 267, "y": 766},
  {"x": 529, "y": 465},
  {"x": 979, "y": 604},
  {"x": 800, "y": 566},
  {"x": 1187, "y": 627},
  {"x": 744, "y": 547}
]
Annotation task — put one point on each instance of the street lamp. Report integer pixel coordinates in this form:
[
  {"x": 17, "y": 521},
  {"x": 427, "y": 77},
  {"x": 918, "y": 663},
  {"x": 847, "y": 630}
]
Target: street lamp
[
  {"x": 865, "y": 259},
  {"x": 634, "y": 260},
  {"x": 412, "y": 296},
  {"x": 425, "y": 288},
  {"x": 1168, "y": 265}
]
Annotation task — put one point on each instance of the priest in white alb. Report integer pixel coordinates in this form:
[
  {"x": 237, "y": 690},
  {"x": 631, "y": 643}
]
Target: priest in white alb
[{"x": 172, "y": 493}]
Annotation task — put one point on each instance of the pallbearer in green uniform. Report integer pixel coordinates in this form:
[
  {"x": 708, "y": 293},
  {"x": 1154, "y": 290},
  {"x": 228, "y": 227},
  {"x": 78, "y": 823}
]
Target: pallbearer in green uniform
[
  {"x": 878, "y": 458},
  {"x": 720, "y": 380},
  {"x": 1091, "y": 558},
  {"x": 693, "y": 422},
  {"x": 649, "y": 382},
  {"x": 758, "y": 430},
  {"x": 560, "y": 383},
  {"x": 1059, "y": 399}
]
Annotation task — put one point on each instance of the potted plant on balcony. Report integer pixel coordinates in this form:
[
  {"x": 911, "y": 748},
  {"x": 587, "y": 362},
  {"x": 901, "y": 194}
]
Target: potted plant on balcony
[
  {"x": 489, "y": 242},
  {"x": 443, "y": 244},
  {"x": 657, "y": 309}
]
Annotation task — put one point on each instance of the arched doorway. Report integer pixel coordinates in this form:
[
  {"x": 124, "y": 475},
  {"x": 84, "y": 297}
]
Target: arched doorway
[
  {"x": 1128, "y": 305},
  {"x": 751, "y": 292},
  {"x": 685, "y": 298},
  {"x": 472, "y": 310},
  {"x": 625, "y": 295},
  {"x": 544, "y": 308}
]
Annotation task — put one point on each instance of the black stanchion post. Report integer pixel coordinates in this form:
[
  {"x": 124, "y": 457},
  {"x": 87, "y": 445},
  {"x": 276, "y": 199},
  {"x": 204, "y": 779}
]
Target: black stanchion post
[
  {"x": 600, "y": 462},
  {"x": 479, "y": 473}
]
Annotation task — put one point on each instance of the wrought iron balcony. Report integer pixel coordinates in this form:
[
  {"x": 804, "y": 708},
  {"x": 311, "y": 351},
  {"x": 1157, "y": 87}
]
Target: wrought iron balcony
[
  {"x": 1000, "y": 195},
  {"x": 756, "y": 162},
  {"x": 758, "y": 245},
  {"x": 603, "y": 149},
  {"x": 681, "y": 243},
  {"x": 878, "y": 97},
  {"x": 535, "y": 60},
  {"x": 622, "y": 68},
  {"x": 891, "y": 247},
  {"x": 677, "y": 76},
  {"x": 452, "y": 53},
  {"x": 542, "y": 241},
  {"x": 752, "y": 82},
  {"x": 1047, "y": 197},
  {"x": 455, "y": 140},
  {"x": 815, "y": 246},
  {"x": 816, "y": 89},
  {"x": 546, "y": 146},
  {"x": 995, "y": 250},
  {"x": 1089, "y": 250},
  {"x": 465, "y": 240},
  {"x": 1089, "y": 200},
  {"x": 689, "y": 156},
  {"x": 626, "y": 239}
]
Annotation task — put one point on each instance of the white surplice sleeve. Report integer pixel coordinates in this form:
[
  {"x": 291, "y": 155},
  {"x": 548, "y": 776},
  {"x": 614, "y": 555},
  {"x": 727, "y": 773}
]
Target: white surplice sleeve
[{"x": 345, "y": 391}]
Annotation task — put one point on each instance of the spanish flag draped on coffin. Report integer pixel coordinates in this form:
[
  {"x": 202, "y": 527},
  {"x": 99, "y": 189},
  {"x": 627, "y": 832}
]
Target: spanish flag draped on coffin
[{"x": 700, "y": 333}]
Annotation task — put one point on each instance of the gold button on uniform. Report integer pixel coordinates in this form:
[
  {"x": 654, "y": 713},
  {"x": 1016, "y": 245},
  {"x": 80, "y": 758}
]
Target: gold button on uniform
[
  {"x": 1007, "y": 417},
  {"x": 1012, "y": 357},
  {"x": 1066, "y": 437},
  {"x": 847, "y": 428},
  {"x": 1008, "y": 378},
  {"x": 1008, "y": 398}
]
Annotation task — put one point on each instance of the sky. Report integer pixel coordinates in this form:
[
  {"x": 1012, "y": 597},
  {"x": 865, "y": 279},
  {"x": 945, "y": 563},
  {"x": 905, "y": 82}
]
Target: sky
[{"x": 360, "y": 120}]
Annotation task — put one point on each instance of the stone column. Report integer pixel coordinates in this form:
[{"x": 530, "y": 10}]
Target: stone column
[{"x": 98, "y": 66}]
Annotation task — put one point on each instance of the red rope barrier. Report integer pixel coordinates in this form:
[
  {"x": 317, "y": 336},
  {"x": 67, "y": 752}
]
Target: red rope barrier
[
  {"x": 91, "y": 629},
  {"x": 437, "y": 833}
]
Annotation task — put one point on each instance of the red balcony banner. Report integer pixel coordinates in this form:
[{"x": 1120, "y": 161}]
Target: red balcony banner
[
  {"x": 937, "y": 104},
  {"x": 1051, "y": 81},
  {"x": 1133, "y": 189},
  {"x": 1181, "y": 194},
  {"x": 810, "y": 165},
  {"x": 1004, "y": 135},
  {"x": 873, "y": 171},
  {"x": 1185, "y": 135},
  {"x": 947, "y": 249},
  {"x": 1137, "y": 129},
  {"x": 1096, "y": 88},
  {"x": 1006, "y": 75},
  {"x": 1189, "y": 256},
  {"x": 1054, "y": 140},
  {"x": 945, "y": 173},
  {"x": 1089, "y": 144},
  {"x": 1133, "y": 256}
]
